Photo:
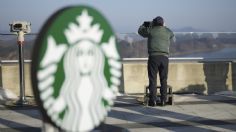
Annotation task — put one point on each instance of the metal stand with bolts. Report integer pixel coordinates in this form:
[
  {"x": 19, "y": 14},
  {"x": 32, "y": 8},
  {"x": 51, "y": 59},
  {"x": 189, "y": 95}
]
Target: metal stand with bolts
[{"x": 20, "y": 40}]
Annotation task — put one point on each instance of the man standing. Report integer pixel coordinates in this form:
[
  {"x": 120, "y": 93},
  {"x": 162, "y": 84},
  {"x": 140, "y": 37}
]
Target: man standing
[{"x": 159, "y": 39}]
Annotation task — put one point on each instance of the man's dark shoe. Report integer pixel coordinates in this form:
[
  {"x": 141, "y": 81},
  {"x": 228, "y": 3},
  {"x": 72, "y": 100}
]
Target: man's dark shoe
[
  {"x": 152, "y": 103},
  {"x": 163, "y": 103}
]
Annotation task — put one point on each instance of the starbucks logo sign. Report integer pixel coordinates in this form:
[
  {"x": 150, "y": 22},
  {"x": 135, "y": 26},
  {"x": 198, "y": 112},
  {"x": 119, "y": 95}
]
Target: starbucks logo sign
[{"x": 76, "y": 68}]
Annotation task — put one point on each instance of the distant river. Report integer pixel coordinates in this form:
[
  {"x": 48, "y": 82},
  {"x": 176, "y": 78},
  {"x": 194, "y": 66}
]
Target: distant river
[{"x": 223, "y": 53}]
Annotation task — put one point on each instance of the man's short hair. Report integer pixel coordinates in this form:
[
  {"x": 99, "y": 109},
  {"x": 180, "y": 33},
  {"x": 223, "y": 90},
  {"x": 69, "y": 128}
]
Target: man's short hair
[{"x": 158, "y": 21}]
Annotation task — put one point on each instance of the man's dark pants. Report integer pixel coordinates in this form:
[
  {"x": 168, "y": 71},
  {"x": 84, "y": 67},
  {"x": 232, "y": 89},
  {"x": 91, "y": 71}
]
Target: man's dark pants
[{"x": 158, "y": 63}]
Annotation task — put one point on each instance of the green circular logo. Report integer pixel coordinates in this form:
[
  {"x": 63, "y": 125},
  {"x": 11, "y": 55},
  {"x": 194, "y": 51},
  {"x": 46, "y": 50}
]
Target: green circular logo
[{"x": 76, "y": 68}]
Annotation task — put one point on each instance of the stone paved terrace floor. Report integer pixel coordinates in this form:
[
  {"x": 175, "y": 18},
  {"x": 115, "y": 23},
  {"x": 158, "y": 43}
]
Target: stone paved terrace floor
[{"x": 189, "y": 113}]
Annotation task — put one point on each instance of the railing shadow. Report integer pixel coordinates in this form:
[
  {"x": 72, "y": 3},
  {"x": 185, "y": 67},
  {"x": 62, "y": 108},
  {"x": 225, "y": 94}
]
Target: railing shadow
[
  {"x": 11, "y": 111},
  {"x": 154, "y": 117},
  {"x": 17, "y": 127}
]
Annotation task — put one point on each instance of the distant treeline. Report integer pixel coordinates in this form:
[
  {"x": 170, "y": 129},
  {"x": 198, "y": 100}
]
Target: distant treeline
[
  {"x": 185, "y": 44},
  {"x": 134, "y": 47},
  {"x": 9, "y": 49}
]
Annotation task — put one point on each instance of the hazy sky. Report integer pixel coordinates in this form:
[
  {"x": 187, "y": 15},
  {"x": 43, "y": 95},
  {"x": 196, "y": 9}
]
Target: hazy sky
[{"x": 126, "y": 15}]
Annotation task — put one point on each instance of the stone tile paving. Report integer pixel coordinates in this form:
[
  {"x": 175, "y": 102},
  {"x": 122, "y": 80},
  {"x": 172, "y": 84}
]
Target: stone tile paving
[{"x": 190, "y": 113}]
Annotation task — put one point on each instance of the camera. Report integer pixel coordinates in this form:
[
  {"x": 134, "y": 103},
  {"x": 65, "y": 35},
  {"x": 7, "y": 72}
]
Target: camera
[
  {"x": 18, "y": 26},
  {"x": 147, "y": 24}
]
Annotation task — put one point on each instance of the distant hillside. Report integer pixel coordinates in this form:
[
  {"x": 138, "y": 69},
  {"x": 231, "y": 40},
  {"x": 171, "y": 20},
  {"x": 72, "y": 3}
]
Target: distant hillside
[
  {"x": 186, "y": 43},
  {"x": 9, "y": 48},
  {"x": 188, "y": 29},
  {"x": 134, "y": 46}
]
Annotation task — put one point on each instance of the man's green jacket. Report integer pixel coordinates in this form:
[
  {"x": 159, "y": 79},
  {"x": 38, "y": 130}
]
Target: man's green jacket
[{"x": 159, "y": 39}]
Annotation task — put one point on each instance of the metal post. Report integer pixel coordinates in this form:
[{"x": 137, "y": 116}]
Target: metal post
[{"x": 22, "y": 100}]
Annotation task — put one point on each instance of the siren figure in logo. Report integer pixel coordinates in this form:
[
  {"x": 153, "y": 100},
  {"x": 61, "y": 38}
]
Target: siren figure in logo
[
  {"x": 84, "y": 96},
  {"x": 82, "y": 90}
]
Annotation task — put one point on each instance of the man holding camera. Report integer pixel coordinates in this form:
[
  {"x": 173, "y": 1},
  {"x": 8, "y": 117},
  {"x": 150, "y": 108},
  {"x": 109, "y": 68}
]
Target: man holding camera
[{"x": 159, "y": 39}]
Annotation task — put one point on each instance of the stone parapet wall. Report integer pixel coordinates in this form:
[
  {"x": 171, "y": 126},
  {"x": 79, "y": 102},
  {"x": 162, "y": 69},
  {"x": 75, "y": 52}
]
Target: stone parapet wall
[{"x": 183, "y": 77}]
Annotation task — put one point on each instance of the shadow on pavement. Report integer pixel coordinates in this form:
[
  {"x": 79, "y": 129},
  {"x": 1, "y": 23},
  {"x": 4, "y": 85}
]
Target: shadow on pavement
[
  {"x": 146, "y": 117},
  {"x": 17, "y": 127},
  {"x": 110, "y": 128},
  {"x": 30, "y": 111}
]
